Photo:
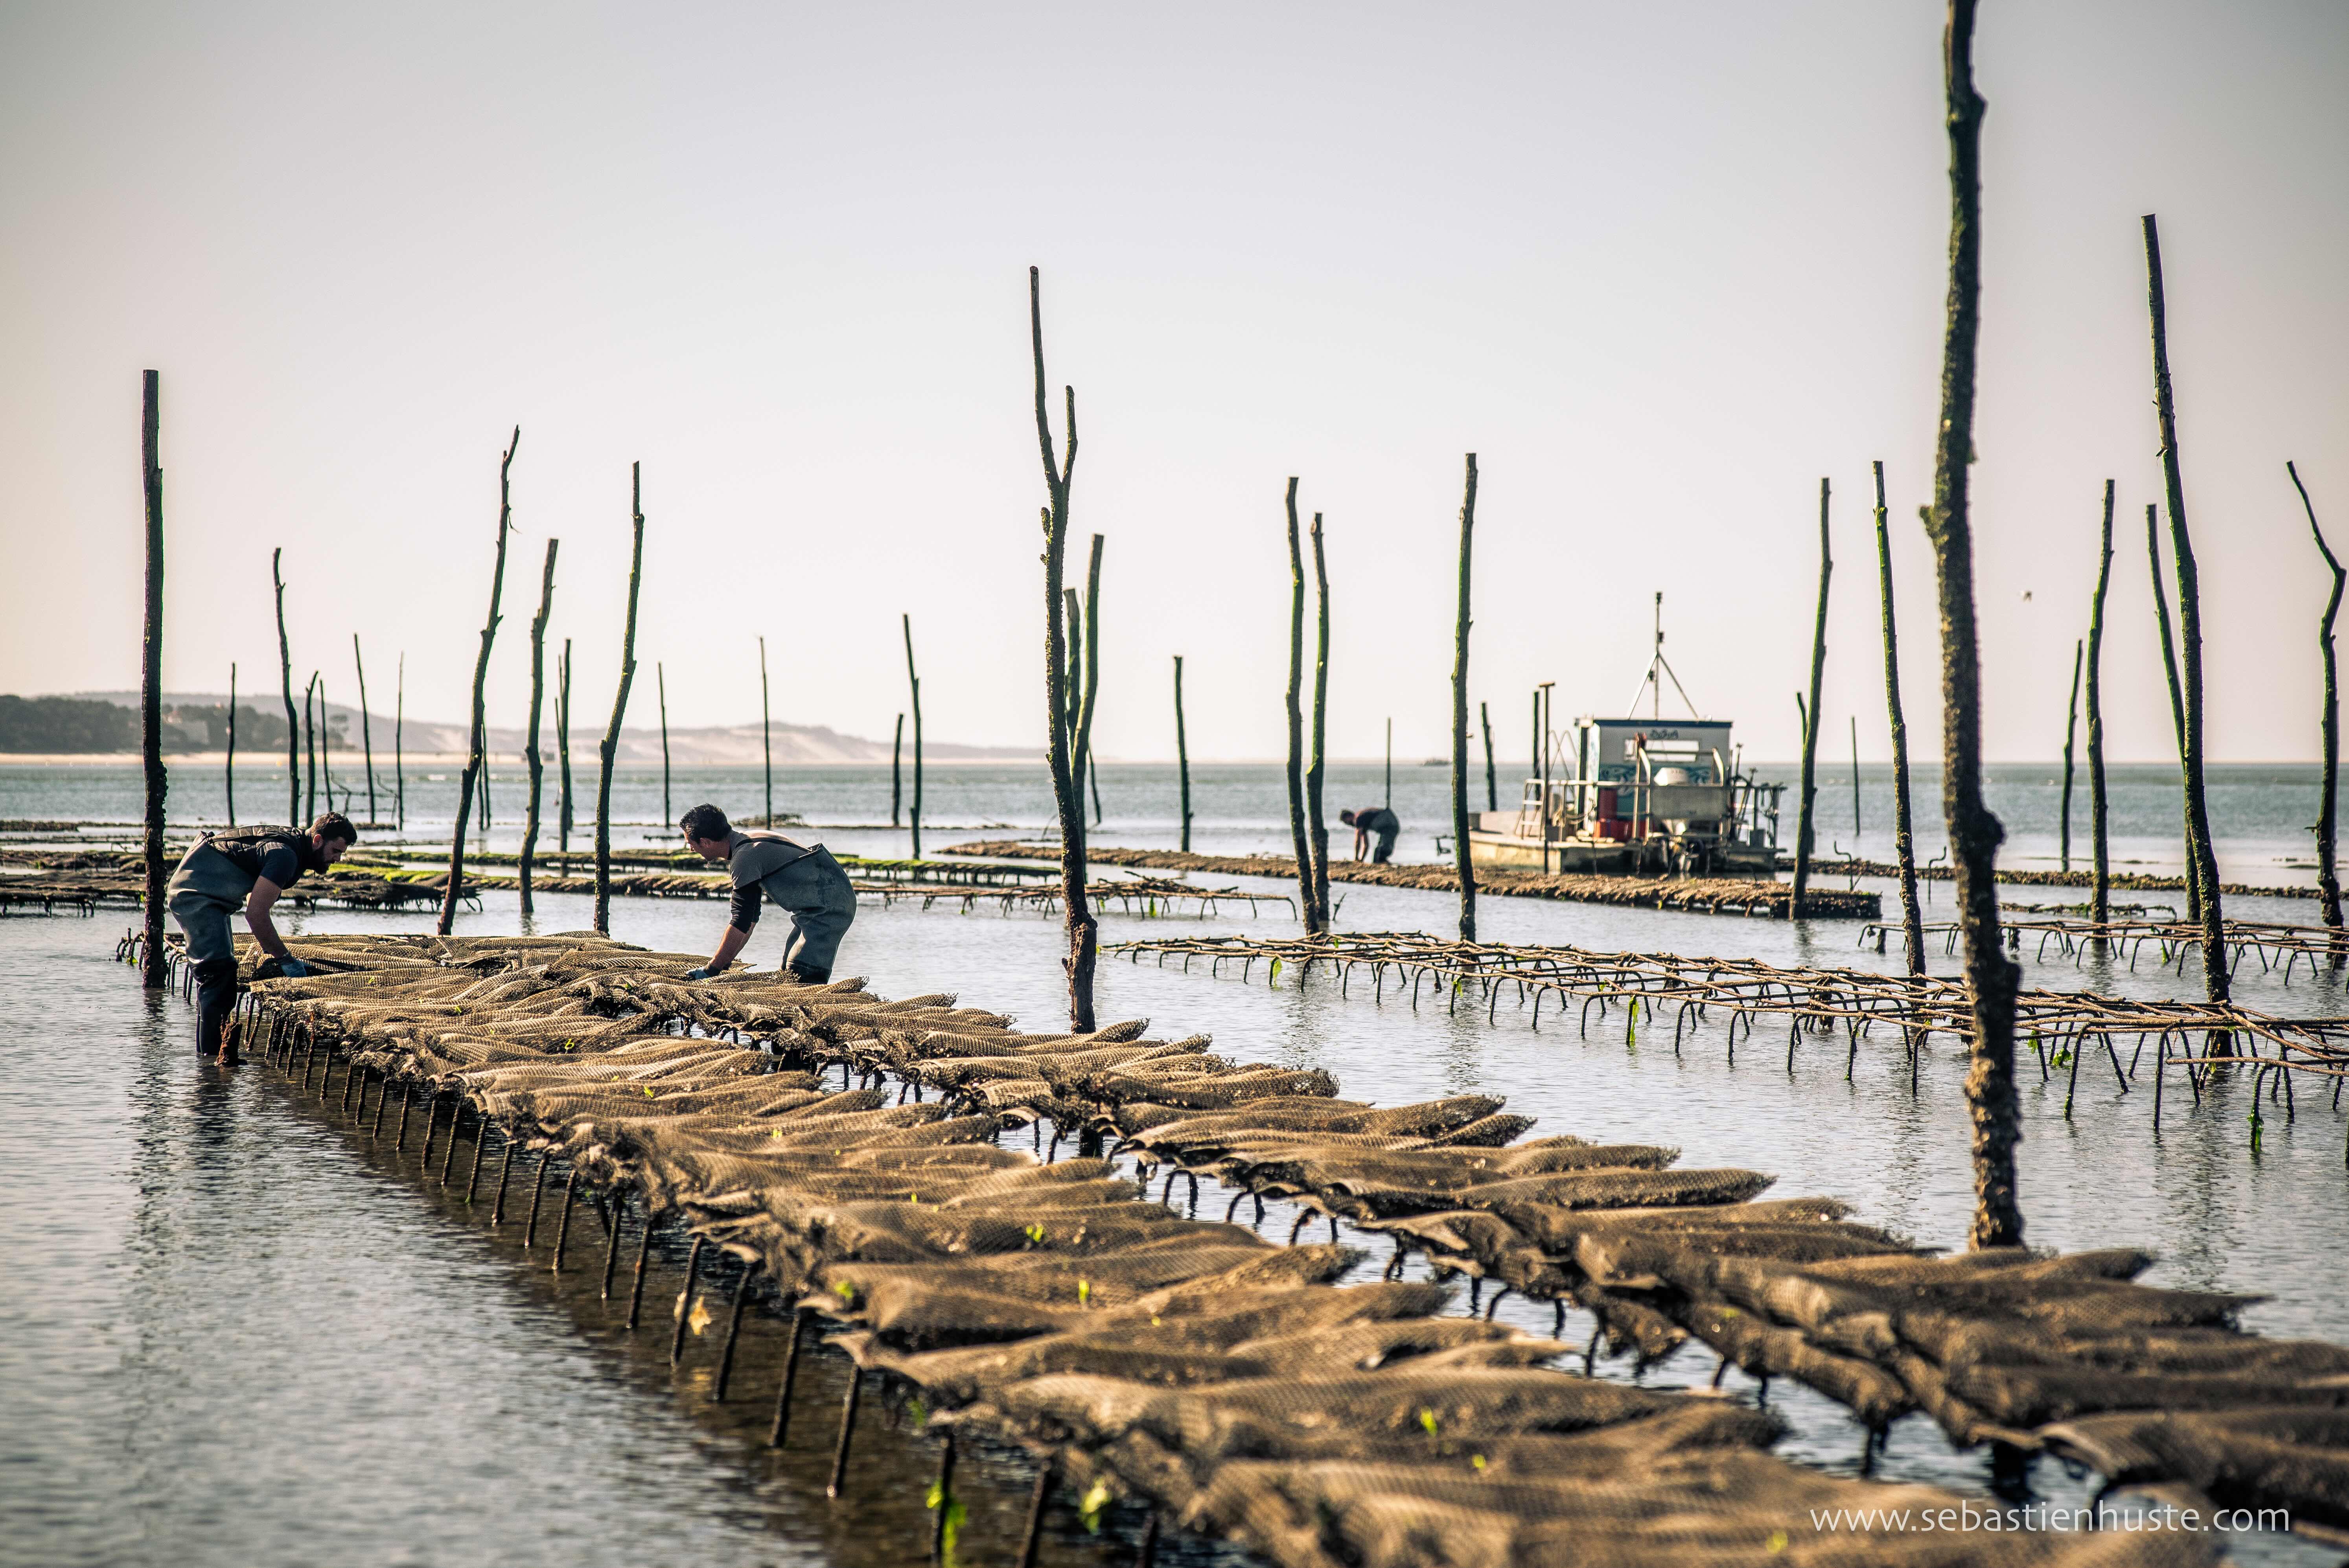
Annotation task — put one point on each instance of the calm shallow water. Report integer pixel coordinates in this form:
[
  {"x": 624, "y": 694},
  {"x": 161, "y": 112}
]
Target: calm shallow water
[{"x": 229, "y": 1332}]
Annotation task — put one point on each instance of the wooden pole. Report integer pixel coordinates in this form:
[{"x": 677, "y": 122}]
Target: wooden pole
[
  {"x": 2190, "y": 630},
  {"x": 562, "y": 749},
  {"x": 2099, "y": 819},
  {"x": 2177, "y": 714},
  {"x": 398, "y": 738},
  {"x": 228, "y": 774},
  {"x": 609, "y": 752},
  {"x": 1807, "y": 804},
  {"x": 1091, "y": 674},
  {"x": 537, "y": 697},
  {"x": 1301, "y": 845},
  {"x": 766, "y": 734},
  {"x": 2071, "y": 729},
  {"x": 1460, "y": 716},
  {"x": 285, "y": 688},
  {"x": 150, "y": 677},
  {"x": 310, "y": 744},
  {"x": 1182, "y": 755},
  {"x": 897, "y": 773},
  {"x": 1904, "y": 841},
  {"x": 1389, "y": 802},
  {"x": 661, "y": 685},
  {"x": 1991, "y": 978},
  {"x": 1854, "y": 776},
  {"x": 1317, "y": 827},
  {"x": 476, "y": 756},
  {"x": 914, "y": 685},
  {"x": 1492, "y": 779},
  {"x": 2328, "y": 879},
  {"x": 326, "y": 740},
  {"x": 367, "y": 730},
  {"x": 1083, "y": 929}
]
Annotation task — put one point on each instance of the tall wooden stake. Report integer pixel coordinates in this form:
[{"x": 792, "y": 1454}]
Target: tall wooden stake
[
  {"x": 1992, "y": 979},
  {"x": 399, "y": 737},
  {"x": 476, "y": 756},
  {"x": 150, "y": 677},
  {"x": 229, "y": 775},
  {"x": 2215, "y": 974},
  {"x": 1856, "y": 829},
  {"x": 1806, "y": 802},
  {"x": 1460, "y": 716},
  {"x": 1904, "y": 841},
  {"x": 1302, "y": 846},
  {"x": 660, "y": 685},
  {"x": 897, "y": 773},
  {"x": 310, "y": 745},
  {"x": 609, "y": 752},
  {"x": 914, "y": 687},
  {"x": 2070, "y": 729},
  {"x": 537, "y": 698},
  {"x": 2328, "y": 880},
  {"x": 285, "y": 686},
  {"x": 1083, "y": 930},
  {"x": 1317, "y": 828},
  {"x": 1182, "y": 755},
  {"x": 2099, "y": 820},
  {"x": 563, "y": 818},
  {"x": 366, "y": 731},
  {"x": 1091, "y": 678},
  {"x": 2177, "y": 715},
  {"x": 766, "y": 734}
]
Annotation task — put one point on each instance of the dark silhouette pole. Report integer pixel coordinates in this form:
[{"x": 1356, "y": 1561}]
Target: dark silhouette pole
[
  {"x": 913, "y": 687},
  {"x": 1317, "y": 828},
  {"x": 660, "y": 685},
  {"x": 367, "y": 730},
  {"x": 2099, "y": 819},
  {"x": 2071, "y": 729},
  {"x": 1301, "y": 845},
  {"x": 1904, "y": 841},
  {"x": 1492, "y": 780},
  {"x": 150, "y": 680},
  {"x": 285, "y": 686},
  {"x": 229, "y": 775},
  {"x": 1806, "y": 825},
  {"x": 1182, "y": 754},
  {"x": 897, "y": 773},
  {"x": 2328, "y": 880},
  {"x": 608, "y": 753},
  {"x": 537, "y": 698},
  {"x": 477, "y": 755},
  {"x": 1460, "y": 716},
  {"x": 1083, "y": 930}
]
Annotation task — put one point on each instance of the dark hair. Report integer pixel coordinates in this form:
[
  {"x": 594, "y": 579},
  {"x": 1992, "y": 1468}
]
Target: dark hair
[
  {"x": 1347, "y": 818},
  {"x": 334, "y": 825},
  {"x": 705, "y": 821}
]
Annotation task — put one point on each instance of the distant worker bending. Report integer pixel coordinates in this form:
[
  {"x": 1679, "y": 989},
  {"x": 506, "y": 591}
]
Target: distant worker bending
[
  {"x": 803, "y": 881},
  {"x": 1377, "y": 821},
  {"x": 252, "y": 868}
]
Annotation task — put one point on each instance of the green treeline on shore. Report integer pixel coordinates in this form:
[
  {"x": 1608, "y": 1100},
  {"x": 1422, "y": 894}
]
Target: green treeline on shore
[{"x": 73, "y": 724}]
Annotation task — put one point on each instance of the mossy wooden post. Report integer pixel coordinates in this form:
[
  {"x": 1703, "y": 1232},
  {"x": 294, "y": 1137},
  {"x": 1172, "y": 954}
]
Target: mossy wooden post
[
  {"x": 2071, "y": 733},
  {"x": 609, "y": 752},
  {"x": 2215, "y": 974},
  {"x": 2177, "y": 713},
  {"x": 285, "y": 688},
  {"x": 1083, "y": 930},
  {"x": 150, "y": 677},
  {"x": 660, "y": 688},
  {"x": 1300, "y": 845},
  {"x": 1182, "y": 755},
  {"x": 1317, "y": 828},
  {"x": 537, "y": 699},
  {"x": 766, "y": 736},
  {"x": 564, "y": 818},
  {"x": 897, "y": 774},
  {"x": 1492, "y": 779},
  {"x": 2328, "y": 879},
  {"x": 1992, "y": 979},
  {"x": 1904, "y": 839},
  {"x": 476, "y": 756},
  {"x": 1807, "y": 804},
  {"x": 914, "y": 700},
  {"x": 367, "y": 730},
  {"x": 2099, "y": 818},
  {"x": 1460, "y": 715},
  {"x": 228, "y": 776},
  {"x": 399, "y": 745}
]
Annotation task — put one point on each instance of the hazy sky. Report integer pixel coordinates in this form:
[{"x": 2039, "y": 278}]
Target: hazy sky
[{"x": 1660, "y": 267}]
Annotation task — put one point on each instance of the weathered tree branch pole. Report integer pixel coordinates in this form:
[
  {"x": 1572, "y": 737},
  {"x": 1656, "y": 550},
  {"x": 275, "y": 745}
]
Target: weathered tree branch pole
[
  {"x": 310, "y": 745},
  {"x": 1904, "y": 839},
  {"x": 2071, "y": 733},
  {"x": 477, "y": 758},
  {"x": 1317, "y": 827},
  {"x": 2328, "y": 878},
  {"x": 2177, "y": 714},
  {"x": 913, "y": 687},
  {"x": 2100, "y": 889},
  {"x": 229, "y": 773},
  {"x": 151, "y": 677},
  {"x": 537, "y": 698},
  {"x": 897, "y": 773},
  {"x": 1460, "y": 714},
  {"x": 1083, "y": 930},
  {"x": 1182, "y": 755},
  {"x": 766, "y": 736},
  {"x": 1091, "y": 677},
  {"x": 1992, "y": 979},
  {"x": 1806, "y": 802},
  {"x": 367, "y": 730},
  {"x": 563, "y": 818},
  {"x": 660, "y": 687},
  {"x": 609, "y": 752},
  {"x": 285, "y": 686},
  {"x": 1492, "y": 779},
  {"x": 1301, "y": 844},
  {"x": 2215, "y": 974},
  {"x": 399, "y": 745}
]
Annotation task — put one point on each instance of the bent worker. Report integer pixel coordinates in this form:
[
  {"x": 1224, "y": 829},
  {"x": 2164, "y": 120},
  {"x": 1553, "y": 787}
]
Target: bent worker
[
  {"x": 802, "y": 879},
  {"x": 1376, "y": 820},
  {"x": 252, "y": 868}
]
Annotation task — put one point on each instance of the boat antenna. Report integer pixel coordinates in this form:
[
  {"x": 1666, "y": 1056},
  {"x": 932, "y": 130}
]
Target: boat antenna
[{"x": 1657, "y": 662}]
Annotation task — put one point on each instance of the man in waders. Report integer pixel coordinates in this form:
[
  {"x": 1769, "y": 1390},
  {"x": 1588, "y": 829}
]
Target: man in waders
[
  {"x": 1378, "y": 820},
  {"x": 252, "y": 868},
  {"x": 804, "y": 879}
]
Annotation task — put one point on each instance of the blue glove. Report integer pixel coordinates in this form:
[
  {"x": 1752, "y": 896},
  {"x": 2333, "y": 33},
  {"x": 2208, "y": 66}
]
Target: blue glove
[
  {"x": 697, "y": 974},
  {"x": 293, "y": 969}
]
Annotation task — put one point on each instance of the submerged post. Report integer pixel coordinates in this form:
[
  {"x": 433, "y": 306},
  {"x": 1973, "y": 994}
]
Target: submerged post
[
  {"x": 228, "y": 775},
  {"x": 1317, "y": 828},
  {"x": 1182, "y": 755},
  {"x": 914, "y": 685},
  {"x": 477, "y": 755},
  {"x": 537, "y": 697},
  {"x": 367, "y": 730},
  {"x": 286, "y": 686},
  {"x": 2099, "y": 849},
  {"x": 609, "y": 752},
  {"x": 1083, "y": 930},
  {"x": 1460, "y": 715},
  {"x": 151, "y": 677},
  {"x": 1301, "y": 846},
  {"x": 1904, "y": 841},
  {"x": 2328, "y": 879},
  {"x": 2071, "y": 727},
  {"x": 1992, "y": 979},
  {"x": 1806, "y": 825},
  {"x": 766, "y": 737}
]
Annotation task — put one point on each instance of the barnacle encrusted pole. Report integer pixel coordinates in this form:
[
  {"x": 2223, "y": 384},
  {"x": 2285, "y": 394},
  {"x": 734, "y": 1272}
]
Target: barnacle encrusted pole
[
  {"x": 1182, "y": 755},
  {"x": 1460, "y": 715},
  {"x": 367, "y": 730},
  {"x": 150, "y": 675},
  {"x": 914, "y": 687},
  {"x": 766, "y": 736},
  {"x": 2099, "y": 818},
  {"x": 2190, "y": 630},
  {"x": 537, "y": 698},
  {"x": 1991, "y": 978},
  {"x": 475, "y": 757},
  {"x": 1083, "y": 930},
  {"x": 1300, "y": 843},
  {"x": 660, "y": 688},
  {"x": 1904, "y": 839},
  {"x": 2070, "y": 733},
  {"x": 2177, "y": 713},
  {"x": 2328, "y": 880},
  {"x": 286, "y": 686},
  {"x": 1806, "y": 802},
  {"x": 1317, "y": 828},
  {"x": 609, "y": 750}
]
